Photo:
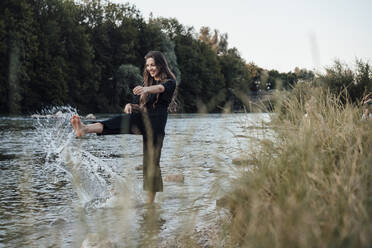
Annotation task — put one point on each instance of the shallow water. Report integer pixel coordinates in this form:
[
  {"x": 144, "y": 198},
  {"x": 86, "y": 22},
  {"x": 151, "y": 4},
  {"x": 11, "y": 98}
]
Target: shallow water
[{"x": 56, "y": 189}]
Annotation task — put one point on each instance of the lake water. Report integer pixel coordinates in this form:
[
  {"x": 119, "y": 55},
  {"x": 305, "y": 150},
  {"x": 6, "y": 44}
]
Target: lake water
[{"x": 57, "y": 190}]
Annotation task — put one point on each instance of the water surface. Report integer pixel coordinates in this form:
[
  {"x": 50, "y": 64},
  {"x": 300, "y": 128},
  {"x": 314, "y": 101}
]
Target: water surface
[{"x": 56, "y": 189}]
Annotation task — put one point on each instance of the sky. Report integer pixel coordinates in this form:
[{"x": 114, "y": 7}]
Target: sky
[{"x": 279, "y": 34}]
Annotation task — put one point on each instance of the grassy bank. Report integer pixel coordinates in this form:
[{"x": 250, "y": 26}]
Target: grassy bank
[{"x": 312, "y": 185}]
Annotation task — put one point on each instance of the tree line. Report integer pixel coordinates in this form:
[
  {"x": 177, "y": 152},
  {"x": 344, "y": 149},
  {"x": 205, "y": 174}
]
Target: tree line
[{"x": 90, "y": 54}]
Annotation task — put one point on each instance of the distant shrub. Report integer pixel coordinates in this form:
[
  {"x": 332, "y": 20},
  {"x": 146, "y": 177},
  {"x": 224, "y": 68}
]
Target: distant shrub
[{"x": 341, "y": 77}]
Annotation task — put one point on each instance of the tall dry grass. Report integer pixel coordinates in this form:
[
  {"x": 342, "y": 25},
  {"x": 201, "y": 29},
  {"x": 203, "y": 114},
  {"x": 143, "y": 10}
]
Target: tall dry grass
[{"x": 311, "y": 186}]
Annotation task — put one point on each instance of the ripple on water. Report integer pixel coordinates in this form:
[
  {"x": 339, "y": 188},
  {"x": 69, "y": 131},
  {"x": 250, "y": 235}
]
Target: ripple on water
[{"x": 64, "y": 185}]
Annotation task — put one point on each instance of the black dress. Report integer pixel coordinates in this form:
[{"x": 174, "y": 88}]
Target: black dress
[{"x": 150, "y": 123}]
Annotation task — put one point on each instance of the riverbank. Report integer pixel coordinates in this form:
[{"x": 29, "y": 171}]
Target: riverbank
[{"x": 311, "y": 186}]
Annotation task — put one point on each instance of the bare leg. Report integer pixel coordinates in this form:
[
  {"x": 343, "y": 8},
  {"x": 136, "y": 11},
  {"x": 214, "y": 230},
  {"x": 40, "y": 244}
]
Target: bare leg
[
  {"x": 81, "y": 129},
  {"x": 151, "y": 197}
]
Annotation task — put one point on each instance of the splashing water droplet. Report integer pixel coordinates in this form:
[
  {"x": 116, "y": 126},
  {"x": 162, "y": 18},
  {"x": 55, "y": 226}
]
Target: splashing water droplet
[{"x": 67, "y": 160}]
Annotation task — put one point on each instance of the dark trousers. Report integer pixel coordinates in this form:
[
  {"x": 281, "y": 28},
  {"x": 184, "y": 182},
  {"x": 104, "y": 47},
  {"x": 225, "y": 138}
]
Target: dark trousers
[
  {"x": 152, "y": 145},
  {"x": 152, "y": 179}
]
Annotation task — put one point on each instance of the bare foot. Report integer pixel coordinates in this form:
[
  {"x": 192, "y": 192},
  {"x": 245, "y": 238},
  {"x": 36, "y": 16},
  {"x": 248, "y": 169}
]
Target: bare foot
[{"x": 78, "y": 126}]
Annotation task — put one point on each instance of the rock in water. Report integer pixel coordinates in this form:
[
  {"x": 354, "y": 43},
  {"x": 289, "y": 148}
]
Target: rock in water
[
  {"x": 59, "y": 222},
  {"x": 179, "y": 178},
  {"x": 93, "y": 240}
]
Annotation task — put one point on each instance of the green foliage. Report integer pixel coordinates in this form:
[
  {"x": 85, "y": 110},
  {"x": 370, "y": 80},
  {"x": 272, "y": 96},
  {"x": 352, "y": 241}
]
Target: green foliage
[
  {"x": 303, "y": 74},
  {"x": 126, "y": 78},
  {"x": 340, "y": 78},
  {"x": 237, "y": 77},
  {"x": 190, "y": 89},
  {"x": 167, "y": 47},
  {"x": 213, "y": 85},
  {"x": 17, "y": 47},
  {"x": 61, "y": 52},
  {"x": 170, "y": 26}
]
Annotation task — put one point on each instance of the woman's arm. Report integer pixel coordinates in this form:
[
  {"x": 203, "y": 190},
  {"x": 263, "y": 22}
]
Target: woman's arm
[
  {"x": 153, "y": 89},
  {"x": 138, "y": 90},
  {"x": 131, "y": 107}
]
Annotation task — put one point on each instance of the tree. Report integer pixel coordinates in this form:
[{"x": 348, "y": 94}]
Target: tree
[
  {"x": 337, "y": 77},
  {"x": 126, "y": 78},
  {"x": 340, "y": 77},
  {"x": 190, "y": 87},
  {"x": 274, "y": 80},
  {"x": 116, "y": 32},
  {"x": 18, "y": 48},
  {"x": 88, "y": 54},
  {"x": 362, "y": 80},
  {"x": 218, "y": 42},
  {"x": 288, "y": 80},
  {"x": 213, "y": 85},
  {"x": 303, "y": 74},
  {"x": 237, "y": 77},
  {"x": 170, "y": 26}
]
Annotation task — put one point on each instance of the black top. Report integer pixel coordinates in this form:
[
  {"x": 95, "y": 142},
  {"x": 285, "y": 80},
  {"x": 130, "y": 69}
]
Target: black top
[
  {"x": 156, "y": 108},
  {"x": 162, "y": 103}
]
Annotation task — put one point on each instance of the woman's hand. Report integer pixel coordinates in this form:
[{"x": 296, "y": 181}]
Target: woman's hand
[
  {"x": 128, "y": 108},
  {"x": 139, "y": 90}
]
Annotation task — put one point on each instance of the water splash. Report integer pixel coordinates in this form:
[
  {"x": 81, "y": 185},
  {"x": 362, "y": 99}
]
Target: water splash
[
  {"x": 53, "y": 135},
  {"x": 67, "y": 161}
]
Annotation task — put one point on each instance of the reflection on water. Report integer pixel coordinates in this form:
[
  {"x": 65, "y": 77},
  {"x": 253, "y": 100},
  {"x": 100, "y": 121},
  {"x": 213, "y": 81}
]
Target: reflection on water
[{"x": 57, "y": 190}]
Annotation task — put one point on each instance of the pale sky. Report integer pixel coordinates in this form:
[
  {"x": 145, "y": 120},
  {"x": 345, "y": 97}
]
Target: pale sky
[{"x": 279, "y": 34}]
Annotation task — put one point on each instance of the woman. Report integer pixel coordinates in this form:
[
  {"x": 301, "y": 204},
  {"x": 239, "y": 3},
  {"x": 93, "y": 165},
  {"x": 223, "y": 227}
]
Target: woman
[{"x": 147, "y": 115}]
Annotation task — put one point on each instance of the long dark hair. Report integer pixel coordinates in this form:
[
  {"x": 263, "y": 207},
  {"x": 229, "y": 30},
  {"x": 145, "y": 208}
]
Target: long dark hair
[{"x": 164, "y": 74}]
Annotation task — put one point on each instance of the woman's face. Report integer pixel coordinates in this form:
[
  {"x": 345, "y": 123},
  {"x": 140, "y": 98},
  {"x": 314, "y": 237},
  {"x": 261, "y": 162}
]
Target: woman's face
[{"x": 151, "y": 67}]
